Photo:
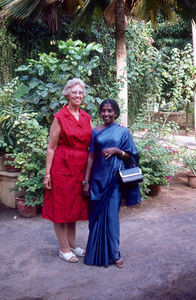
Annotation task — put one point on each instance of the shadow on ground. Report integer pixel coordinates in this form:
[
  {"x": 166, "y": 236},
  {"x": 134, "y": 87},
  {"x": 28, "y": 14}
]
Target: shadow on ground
[{"x": 157, "y": 243}]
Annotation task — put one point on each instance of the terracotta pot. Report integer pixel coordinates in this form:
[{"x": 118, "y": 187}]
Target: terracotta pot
[
  {"x": 23, "y": 209},
  {"x": 154, "y": 190},
  {"x": 192, "y": 180},
  {"x": 9, "y": 168},
  {"x": 2, "y": 167}
]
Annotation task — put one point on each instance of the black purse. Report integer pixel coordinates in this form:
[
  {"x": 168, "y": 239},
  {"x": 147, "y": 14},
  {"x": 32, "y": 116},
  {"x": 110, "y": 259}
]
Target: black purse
[{"x": 130, "y": 176}]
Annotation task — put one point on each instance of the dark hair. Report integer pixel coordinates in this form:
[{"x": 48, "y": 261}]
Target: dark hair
[{"x": 113, "y": 104}]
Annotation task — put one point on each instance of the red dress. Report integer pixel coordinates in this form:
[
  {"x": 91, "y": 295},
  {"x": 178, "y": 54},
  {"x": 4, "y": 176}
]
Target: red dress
[{"x": 65, "y": 203}]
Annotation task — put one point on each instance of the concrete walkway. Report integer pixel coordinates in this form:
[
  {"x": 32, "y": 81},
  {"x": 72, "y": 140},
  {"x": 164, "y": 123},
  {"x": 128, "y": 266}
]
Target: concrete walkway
[
  {"x": 158, "y": 243},
  {"x": 188, "y": 141},
  {"x": 178, "y": 140}
]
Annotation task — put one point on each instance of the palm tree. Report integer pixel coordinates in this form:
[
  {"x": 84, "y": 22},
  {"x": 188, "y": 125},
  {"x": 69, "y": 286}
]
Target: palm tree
[{"x": 121, "y": 55}]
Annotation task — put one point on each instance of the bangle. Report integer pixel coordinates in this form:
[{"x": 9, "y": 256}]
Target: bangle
[
  {"x": 123, "y": 153},
  {"x": 47, "y": 176},
  {"x": 84, "y": 182}
]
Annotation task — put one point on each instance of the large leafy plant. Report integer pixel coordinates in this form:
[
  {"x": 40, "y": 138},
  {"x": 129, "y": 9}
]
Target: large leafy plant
[{"x": 46, "y": 76}]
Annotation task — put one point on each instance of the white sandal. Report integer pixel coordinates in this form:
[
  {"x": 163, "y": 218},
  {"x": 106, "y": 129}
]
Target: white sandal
[
  {"x": 78, "y": 251},
  {"x": 67, "y": 256}
]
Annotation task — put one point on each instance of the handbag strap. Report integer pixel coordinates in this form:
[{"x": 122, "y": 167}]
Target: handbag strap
[{"x": 132, "y": 160}]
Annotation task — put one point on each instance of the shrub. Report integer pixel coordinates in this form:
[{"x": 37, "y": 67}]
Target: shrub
[
  {"x": 159, "y": 159},
  {"x": 29, "y": 155},
  {"x": 11, "y": 106}
]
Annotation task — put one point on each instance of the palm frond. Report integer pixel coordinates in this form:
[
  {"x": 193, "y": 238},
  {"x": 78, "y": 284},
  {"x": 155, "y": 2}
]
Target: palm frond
[
  {"x": 19, "y": 9},
  {"x": 148, "y": 10},
  {"x": 54, "y": 13},
  {"x": 72, "y": 6},
  {"x": 87, "y": 13},
  {"x": 109, "y": 13},
  {"x": 52, "y": 10}
]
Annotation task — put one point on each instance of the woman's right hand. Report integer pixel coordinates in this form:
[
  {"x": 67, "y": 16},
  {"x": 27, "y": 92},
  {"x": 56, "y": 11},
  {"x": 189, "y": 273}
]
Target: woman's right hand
[
  {"x": 86, "y": 190},
  {"x": 47, "y": 183}
]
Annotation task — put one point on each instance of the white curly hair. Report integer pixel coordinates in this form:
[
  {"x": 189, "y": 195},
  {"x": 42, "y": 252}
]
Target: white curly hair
[{"x": 70, "y": 83}]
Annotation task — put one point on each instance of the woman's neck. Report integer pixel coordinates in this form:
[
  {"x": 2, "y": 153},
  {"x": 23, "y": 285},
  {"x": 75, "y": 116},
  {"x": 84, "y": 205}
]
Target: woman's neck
[
  {"x": 73, "y": 108},
  {"x": 102, "y": 126},
  {"x": 107, "y": 124}
]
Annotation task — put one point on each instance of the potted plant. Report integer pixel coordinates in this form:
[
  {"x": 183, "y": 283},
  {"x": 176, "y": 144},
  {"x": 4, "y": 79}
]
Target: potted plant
[
  {"x": 29, "y": 156},
  {"x": 30, "y": 181},
  {"x": 189, "y": 162},
  {"x": 158, "y": 164}
]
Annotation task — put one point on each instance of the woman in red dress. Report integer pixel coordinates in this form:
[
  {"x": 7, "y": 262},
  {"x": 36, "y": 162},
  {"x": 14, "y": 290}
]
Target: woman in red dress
[{"x": 66, "y": 160}]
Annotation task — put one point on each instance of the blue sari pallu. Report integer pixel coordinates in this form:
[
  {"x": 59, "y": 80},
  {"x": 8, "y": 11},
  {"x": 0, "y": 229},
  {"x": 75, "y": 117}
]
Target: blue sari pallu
[{"x": 106, "y": 194}]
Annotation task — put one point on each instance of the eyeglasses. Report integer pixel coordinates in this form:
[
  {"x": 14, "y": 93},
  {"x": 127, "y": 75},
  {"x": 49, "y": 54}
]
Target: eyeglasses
[{"x": 77, "y": 92}]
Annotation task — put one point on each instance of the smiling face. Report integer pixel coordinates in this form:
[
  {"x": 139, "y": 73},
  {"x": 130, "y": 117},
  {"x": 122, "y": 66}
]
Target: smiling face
[
  {"x": 76, "y": 95},
  {"x": 108, "y": 114}
]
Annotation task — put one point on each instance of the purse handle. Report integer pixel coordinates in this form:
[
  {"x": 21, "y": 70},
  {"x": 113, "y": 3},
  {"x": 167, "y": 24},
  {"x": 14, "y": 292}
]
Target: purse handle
[{"x": 132, "y": 160}]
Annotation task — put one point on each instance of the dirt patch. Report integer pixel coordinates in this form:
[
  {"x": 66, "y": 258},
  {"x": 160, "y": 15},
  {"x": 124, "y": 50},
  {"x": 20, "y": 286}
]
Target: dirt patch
[
  {"x": 174, "y": 194},
  {"x": 157, "y": 244}
]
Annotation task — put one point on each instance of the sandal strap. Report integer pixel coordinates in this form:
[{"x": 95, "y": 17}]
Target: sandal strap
[
  {"x": 78, "y": 251},
  {"x": 67, "y": 256}
]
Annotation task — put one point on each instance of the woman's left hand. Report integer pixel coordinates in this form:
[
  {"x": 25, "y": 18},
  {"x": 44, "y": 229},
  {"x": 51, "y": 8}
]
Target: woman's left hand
[
  {"x": 86, "y": 190},
  {"x": 108, "y": 152}
]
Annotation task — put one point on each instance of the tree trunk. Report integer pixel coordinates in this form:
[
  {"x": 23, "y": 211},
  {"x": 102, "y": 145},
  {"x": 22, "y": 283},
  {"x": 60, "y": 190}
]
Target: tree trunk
[
  {"x": 187, "y": 119},
  {"x": 194, "y": 55},
  {"x": 121, "y": 55}
]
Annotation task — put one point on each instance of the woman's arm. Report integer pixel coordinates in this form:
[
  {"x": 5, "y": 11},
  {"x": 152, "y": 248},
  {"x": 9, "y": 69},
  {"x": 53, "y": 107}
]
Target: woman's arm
[
  {"x": 88, "y": 173},
  {"x": 108, "y": 152},
  {"x": 55, "y": 131},
  {"x": 91, "y": 123}
]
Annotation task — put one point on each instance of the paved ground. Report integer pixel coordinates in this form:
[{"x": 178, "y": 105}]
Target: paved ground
[
  {"x": 179, "y": 140},
  {"x": 157, "y": 243},
  {"x": 188, "y": 140}
]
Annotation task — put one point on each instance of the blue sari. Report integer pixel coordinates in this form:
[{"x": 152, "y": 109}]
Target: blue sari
[{"x": 106, "y": 194}]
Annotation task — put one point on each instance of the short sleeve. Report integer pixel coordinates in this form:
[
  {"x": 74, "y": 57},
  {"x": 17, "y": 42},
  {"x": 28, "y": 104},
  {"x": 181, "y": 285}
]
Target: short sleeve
[{"x": 58, "y": 117}]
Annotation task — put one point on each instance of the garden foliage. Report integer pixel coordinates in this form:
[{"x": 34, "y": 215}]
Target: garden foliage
[
  {"x": 28, "y": 104},
  {"x": 46, "y": 77},
  {"x": 29, "y": 157},
  {"x": 159, "y": 159},
  {"x": 11, "y": 107},
  {"x": 157, "y": 80}
]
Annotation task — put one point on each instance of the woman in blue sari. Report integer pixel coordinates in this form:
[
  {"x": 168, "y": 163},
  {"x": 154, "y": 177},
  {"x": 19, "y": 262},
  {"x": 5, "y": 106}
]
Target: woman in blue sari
[{"x": 110, "y": 145}]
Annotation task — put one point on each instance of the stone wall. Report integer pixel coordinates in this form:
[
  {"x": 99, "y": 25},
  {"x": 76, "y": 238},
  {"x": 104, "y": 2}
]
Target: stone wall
[{"x": 177, "y": 117}]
